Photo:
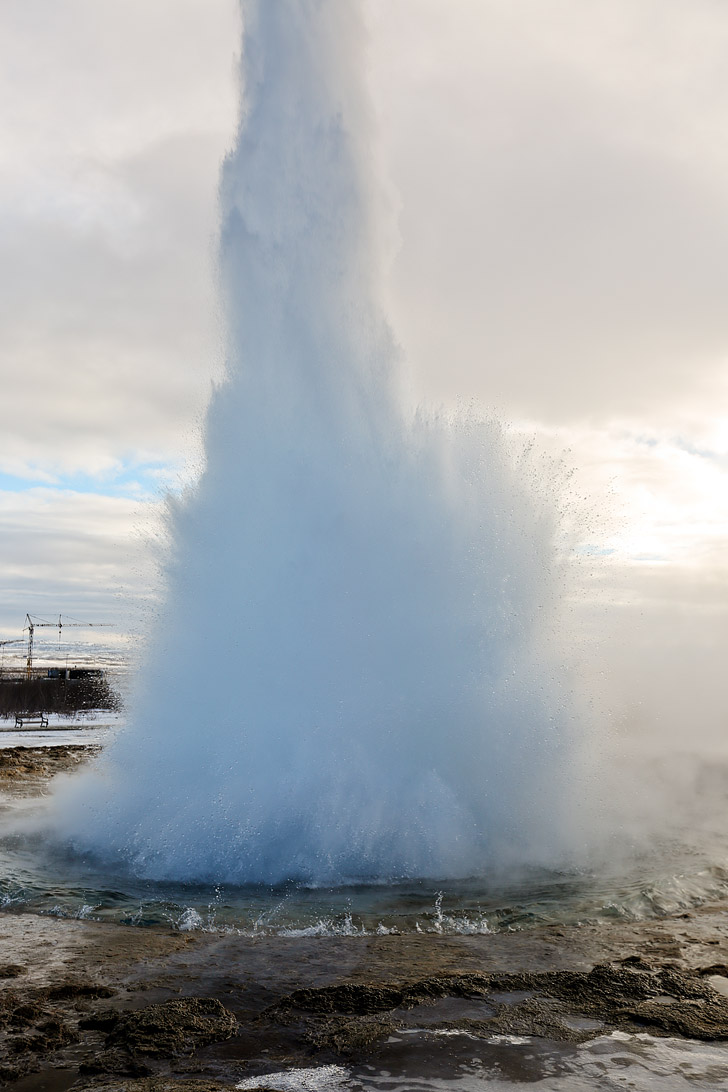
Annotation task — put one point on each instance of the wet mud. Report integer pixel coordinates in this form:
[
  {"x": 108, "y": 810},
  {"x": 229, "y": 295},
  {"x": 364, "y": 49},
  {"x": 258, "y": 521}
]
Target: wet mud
[
  {"x": 25, "y": 769},
  {"x": 166, "y": 1031},
  {"x": 37, "y": 1022},
  {"x": 571, "y": 1006},
  {"x": 92, "y": 1005},
  {"x": 87, "y": 1005},
  {"x": 161, "y": 1084}
]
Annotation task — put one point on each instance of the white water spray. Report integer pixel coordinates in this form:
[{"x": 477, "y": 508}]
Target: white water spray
[{"x": 349, "y": 678}]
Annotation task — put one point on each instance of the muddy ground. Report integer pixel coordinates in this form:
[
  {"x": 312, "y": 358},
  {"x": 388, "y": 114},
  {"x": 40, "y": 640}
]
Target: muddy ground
[
  {"x": 103, "y": 1006},
  {"x": 88, "y": 1005},
  {"x": 27, "y": 770}
]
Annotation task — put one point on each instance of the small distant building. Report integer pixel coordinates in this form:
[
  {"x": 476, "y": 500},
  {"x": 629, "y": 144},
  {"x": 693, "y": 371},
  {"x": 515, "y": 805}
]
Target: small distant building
[{"x": 73, "y": 674}]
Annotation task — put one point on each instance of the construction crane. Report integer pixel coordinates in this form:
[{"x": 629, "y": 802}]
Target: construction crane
[{"x": 60, "y": 625}]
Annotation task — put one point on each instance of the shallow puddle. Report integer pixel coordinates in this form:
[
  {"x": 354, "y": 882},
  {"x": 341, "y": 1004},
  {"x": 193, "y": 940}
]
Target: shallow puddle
[{"x": 437, "y": 1063}]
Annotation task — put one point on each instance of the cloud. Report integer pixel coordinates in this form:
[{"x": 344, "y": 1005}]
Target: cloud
[
  {"x": 564, "y": 203},
  {"x": 118, "y": 124},
  {"x": 77, "y": 553},
  {"x": 108, "y": 348},
  {"x": 563, "y": 255},
  {"x": 563, "y": 220},
  {"x": 115, "y": 122}
]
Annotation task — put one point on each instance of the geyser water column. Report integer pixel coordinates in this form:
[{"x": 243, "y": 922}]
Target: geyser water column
[{"x": 348, "y": 679}]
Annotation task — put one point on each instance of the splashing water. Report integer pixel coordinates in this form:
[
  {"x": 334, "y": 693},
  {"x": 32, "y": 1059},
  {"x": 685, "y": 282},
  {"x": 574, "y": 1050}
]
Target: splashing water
[{"x": 350, "y": 679}]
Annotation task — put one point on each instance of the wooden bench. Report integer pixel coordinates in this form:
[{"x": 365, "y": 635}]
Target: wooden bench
[{"x": 39, "y": 719}]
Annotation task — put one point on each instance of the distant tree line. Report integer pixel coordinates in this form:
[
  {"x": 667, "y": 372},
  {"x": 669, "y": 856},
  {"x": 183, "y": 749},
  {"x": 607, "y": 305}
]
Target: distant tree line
[{"x": 65, "y": 696}]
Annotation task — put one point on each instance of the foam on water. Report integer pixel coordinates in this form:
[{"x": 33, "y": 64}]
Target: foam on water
[
  {"x": 373, "y": 589},
  {"x": 324, "y": 1078},
  {"x": 467, "y": 1062}
]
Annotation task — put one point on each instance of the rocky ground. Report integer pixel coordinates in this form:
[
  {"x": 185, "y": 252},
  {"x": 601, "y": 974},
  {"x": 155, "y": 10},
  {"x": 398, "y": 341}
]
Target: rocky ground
[
  {"x": 26, "y": 770},
  {"x": 108, "y": 1007},
  {"x": 86, "y": 1005}
]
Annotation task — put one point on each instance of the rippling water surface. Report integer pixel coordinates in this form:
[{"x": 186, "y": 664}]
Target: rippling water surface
[
  {"x": 679, "y": 873},
  {"x": 464, "y": 1063},
  {"x": 38, "y": 879}
]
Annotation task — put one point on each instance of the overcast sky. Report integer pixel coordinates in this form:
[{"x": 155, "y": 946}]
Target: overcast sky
[{"x": 559, "y": 172}]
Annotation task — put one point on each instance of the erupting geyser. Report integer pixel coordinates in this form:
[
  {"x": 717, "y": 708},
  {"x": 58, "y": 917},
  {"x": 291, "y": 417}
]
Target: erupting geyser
[{"x": 349, "y": 679}]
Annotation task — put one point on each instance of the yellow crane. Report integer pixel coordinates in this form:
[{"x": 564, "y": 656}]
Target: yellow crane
[{"x": 33, "y": 624}]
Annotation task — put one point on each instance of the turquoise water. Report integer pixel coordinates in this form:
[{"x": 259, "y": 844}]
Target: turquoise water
[
  {"x": 680, "y": 872},
  {"x": 43, "y": 880}
]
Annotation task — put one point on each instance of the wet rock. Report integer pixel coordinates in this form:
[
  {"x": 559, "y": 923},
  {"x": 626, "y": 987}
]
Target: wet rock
[
  {"x": 704, "y": 1019},
  {"x": 670, "y": 1001},
  {"x": 53, "y": 1034},
  {"x": 349, "y": 1035},
  {"x": 119, "y": 1062},
  {"x": 715, "y": 968},
  {"x": 39, "y": 1022},
  {"x": 19, "y": 764},
  {"x": 362, "y": 999},
  {"x": 601, "y": 987},
  {"x": 100, "y": 1021},
  {"x": 349, "y": 998},
  {"x": 35, "y": 1005},
  {"x": 162, "y": 1084},
  {"x": 172, "y": 1028},
  {"x": 627, "y": 995},
  {"x": 637, "y": 962},
  {"x": 13, "y": 1071},
  {"x": 11, "y": 970},
  {"x": 78, "y": 991},
  {"x": 18, "y": 1013},
  {"x": 49, "y": 1035},
  {"x": 532, "y": 1017}
]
